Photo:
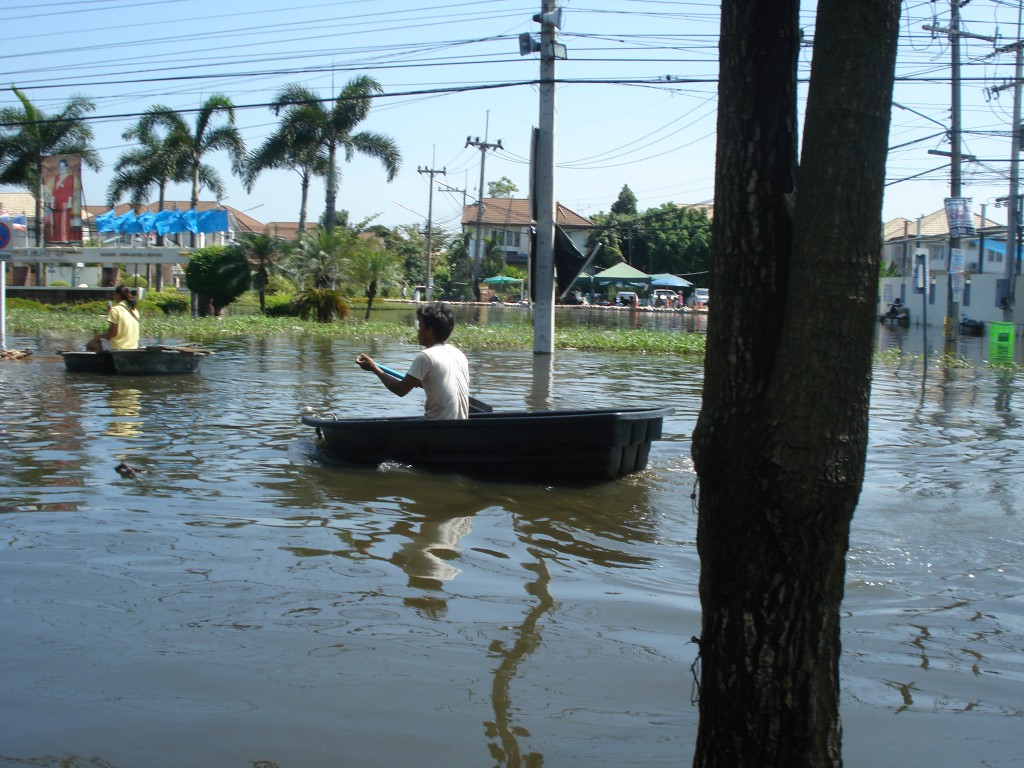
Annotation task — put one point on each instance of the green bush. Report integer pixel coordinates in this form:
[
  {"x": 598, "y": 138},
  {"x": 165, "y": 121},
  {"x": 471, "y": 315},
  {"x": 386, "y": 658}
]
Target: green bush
[
  {"x": 59, "y": 284},
  {"x": 30, "y": 304},
  {"x": 322, "y": 304},
  {"x": 281, "y": 305},
  {"x": 278, "y": 284},
  {"x": 96, "y": 307},
  {"x": 150, "y": 308},
  {"x": 170, "y": 302},
  {"x": 135, "y": 281}
]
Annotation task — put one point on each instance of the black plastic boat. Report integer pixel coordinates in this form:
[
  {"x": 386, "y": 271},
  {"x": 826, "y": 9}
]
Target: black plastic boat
[{"x": 569, "y": 445}]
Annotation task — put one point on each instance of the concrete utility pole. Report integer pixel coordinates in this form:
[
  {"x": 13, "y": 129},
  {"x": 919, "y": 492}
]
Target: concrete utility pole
[
  {"x": 952, "y": 324},
  {"x": 1013, "y": 215},
  {"x": 430, "y": 225},
  {"x": 550, "y": 19},
  {"x": 478, "y": 257}
]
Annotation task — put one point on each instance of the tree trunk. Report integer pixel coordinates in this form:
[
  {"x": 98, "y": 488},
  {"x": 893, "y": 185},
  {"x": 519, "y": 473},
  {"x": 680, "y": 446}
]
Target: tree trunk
[
  {"x": 781, "y": 440},
  {"x": 303, "y": 205},
  {"x": 195, "y": 198},
  {"x": 332, "y": 187}
]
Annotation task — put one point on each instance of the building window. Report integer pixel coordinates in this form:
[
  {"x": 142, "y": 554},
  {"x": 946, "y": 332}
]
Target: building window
[{"x": 506, "y": 237}]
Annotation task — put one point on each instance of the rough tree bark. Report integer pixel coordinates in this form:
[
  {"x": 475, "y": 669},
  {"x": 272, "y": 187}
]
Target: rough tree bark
[{"x": 781, "y": 440}]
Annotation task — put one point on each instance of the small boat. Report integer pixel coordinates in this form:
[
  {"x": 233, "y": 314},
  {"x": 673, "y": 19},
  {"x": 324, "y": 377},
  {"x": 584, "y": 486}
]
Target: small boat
[
  {"x": 145, "y": 361},
  {"x": 569, "y": 445}
]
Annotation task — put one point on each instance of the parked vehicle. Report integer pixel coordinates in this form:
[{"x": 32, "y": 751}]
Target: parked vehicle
[
  {"x": 627, "y": 299},
  {"x": 699, "y": 298},
  {"x": 663, "y": 297}
]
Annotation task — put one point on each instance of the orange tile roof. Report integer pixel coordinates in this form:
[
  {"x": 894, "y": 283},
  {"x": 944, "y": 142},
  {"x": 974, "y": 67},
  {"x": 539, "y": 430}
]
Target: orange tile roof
[
  {"x": 515, "y": 212},
  {"x": 933, "y": 225}
]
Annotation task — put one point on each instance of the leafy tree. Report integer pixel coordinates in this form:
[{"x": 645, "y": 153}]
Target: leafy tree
[
  {"x": 29, "y": 134},
  {"x": 213, "y": 273},
  {"x": 297, "y": 145},
  {"x": 205, "y": 137},
  {"x": 259, "y": 256},
  {"x": 453, "y": 282},
  {"x": 411, "y": 246},
  {"x": 781, "y": 439},
  {"x": 369, "y": 264},
  {"x": 625, "y": 205},
  {"x": 318, "y": 259},
  {"x": 493, "y": 259},
  {"x": 335, "y": 128},
  {"x": 159, "y": 159},
  {"x": 322, "y": 304},
  {"x": 503, "y": 187},
  {"x": 672, "y": 239}
]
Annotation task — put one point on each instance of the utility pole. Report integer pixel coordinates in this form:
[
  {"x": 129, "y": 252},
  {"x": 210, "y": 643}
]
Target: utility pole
[
  {"x": 1013, "y": 215},
  {"x": 550, "y": 19},
  {"x": 430, "y": 225},
  {"x": 483, "y": 146},
  {"x": 952, "y": 323}
]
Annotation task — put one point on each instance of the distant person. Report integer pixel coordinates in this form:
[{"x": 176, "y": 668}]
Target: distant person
[
  {"x": 897, "y": 309},
  {"x": 123, "y": 324},
  {"x": 441, "y": 369}
]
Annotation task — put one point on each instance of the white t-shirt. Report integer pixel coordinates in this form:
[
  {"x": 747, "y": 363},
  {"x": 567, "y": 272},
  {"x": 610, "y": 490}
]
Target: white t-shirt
[{"x": 444, "y": 371}]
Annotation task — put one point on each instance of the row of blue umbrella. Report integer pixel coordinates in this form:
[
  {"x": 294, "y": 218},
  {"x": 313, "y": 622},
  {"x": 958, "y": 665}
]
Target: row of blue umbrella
[{"x": 163, "y": 222}]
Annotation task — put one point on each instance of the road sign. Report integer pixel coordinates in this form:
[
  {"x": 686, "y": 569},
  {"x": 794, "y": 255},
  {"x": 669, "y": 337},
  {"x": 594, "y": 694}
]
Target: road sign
[{"x": 5, "y": 238}]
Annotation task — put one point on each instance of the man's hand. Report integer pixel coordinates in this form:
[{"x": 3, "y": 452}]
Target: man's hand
[{"x": 366, "y": 363}]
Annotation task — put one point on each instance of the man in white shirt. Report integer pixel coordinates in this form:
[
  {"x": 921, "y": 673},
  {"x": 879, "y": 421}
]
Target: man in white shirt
[{"x": 441, "y": 369}]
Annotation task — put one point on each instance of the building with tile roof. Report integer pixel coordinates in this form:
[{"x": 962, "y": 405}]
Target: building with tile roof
[
  {"x": 901, "y": 237},
  {"x": 509, "y": 219}
]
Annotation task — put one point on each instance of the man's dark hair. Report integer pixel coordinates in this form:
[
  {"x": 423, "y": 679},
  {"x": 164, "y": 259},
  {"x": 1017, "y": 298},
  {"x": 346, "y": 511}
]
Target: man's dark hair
[{"x": 438, "y": 317}]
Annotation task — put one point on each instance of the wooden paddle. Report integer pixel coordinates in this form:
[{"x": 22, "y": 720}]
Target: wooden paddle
[{"x": 475, "y": 405}]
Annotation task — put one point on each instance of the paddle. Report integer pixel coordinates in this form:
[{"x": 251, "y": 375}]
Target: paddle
[{"x": 475, "y": 406}]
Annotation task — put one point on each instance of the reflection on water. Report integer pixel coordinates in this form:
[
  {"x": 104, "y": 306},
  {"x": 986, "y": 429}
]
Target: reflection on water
[
  {"x": 125, "y": 405},
  {"x": 283, "y": 610}
]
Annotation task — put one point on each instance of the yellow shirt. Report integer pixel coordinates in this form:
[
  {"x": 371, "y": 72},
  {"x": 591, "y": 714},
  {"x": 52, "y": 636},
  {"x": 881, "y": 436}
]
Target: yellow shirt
[{"x": 127, "y": 320}]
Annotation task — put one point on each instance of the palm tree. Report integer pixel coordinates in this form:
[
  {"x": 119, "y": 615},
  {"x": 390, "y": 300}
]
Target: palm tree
[
  {"x": 318, "y": 258},
  {"x": 334, "y": 128},
  {"x": 206, "y": 137},
  {"x": 371, "y": 264},
  {"x": 316, "y": 265},
  {"x": 296, "y": 144},
  {"x": 259, "y": 254},
  {"x": 30, "y": 134},
  {"x": 159, "y": 160}
]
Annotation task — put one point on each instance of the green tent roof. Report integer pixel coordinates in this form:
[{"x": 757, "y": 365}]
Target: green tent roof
[{"x": 622, "y": 272}]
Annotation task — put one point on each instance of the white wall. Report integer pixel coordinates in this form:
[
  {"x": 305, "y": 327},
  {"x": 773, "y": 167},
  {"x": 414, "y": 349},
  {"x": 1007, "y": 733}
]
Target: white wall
[{"x": 978, "y": 304}]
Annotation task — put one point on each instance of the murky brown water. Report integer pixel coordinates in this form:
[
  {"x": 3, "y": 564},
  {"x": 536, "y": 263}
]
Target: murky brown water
[{"x": 241, "y": 601}]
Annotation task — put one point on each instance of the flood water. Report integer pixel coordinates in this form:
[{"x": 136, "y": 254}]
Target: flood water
[{"x": 241, "y": 601}]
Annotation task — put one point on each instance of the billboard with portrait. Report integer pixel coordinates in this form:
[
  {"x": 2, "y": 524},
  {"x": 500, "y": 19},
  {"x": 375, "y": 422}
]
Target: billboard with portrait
[{"x": 62, "y": 199}]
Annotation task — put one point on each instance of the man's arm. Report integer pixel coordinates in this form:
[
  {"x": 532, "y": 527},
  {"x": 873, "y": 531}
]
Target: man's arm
[{"x": 400, "y": 387}]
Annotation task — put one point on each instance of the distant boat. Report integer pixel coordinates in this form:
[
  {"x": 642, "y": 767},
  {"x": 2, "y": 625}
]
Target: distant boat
[
  {"x": 145, "y": 361},
  {"x": 557, "y": 446}
]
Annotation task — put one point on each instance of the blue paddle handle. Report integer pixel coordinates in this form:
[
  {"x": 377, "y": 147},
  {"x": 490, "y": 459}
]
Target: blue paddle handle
[{"x": 391, "y": 371}]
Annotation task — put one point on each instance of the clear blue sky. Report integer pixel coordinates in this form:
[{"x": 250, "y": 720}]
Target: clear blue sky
[{"x": 620, "y": 121}]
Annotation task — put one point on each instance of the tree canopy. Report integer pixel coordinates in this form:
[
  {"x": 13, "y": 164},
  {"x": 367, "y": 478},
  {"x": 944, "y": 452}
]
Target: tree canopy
[
  {"x": 334, "y": 129},
  {"x": 503, "y": 187},
  {"x": 29, "y": 135}
]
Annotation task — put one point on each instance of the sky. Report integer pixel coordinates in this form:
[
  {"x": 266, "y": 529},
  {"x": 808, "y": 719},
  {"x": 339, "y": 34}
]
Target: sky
[{"x": 636, "y": 101}]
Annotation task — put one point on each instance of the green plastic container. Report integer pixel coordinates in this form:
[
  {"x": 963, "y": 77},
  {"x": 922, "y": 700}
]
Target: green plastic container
[{"x": 1000, "y": 342}]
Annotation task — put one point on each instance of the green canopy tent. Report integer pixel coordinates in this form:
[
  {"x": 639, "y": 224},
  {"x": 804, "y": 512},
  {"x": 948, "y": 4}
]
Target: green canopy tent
[
  {"x": 504, "y": 281},
  {"x": 622, "y": 275}
]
